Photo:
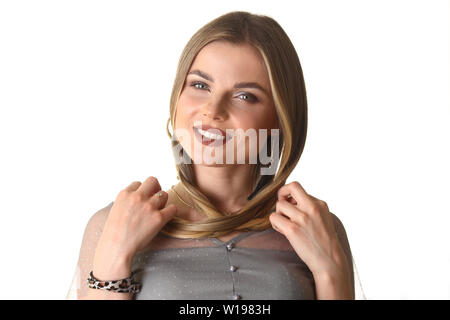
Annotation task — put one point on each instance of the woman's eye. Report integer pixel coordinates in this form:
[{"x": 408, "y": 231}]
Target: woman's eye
[
  {"x": 248, "y": 97},
  {"x": 198, "y": 84}
]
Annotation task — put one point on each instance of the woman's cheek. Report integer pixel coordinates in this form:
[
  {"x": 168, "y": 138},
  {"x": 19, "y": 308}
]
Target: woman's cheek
[{"x": 193, "y": 103}]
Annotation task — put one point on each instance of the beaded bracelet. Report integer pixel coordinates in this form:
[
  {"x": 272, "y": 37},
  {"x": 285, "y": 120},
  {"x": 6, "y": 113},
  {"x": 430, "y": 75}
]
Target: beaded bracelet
[{"x": 123, "y": 285}]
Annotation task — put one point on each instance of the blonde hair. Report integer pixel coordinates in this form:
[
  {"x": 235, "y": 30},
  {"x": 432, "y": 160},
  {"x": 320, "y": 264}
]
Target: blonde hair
[{"x": 289, "y": 94}]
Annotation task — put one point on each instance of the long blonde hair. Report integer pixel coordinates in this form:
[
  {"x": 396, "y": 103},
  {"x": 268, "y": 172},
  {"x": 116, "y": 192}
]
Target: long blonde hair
[{"x": 289, "y": 94}]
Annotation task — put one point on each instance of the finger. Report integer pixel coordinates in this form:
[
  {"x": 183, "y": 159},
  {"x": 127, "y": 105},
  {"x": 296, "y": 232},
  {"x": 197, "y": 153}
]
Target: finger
[
  {"x": 133, "y": 186},
  {"x": 320, "y": 202},
  {"x": 291, "y": 199},
  {"x": 304, "y": 202},
  {"x": 291, "y": 211},
  {"x": 158, "y": 200},
  {"x": 168, "y": 212},
  {"x": 282, "y": 224},
  {"x": 149, "y": 187}
]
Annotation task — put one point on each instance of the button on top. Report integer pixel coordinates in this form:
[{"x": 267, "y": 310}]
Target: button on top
[
  {"x": 236, "y": 297},
  {"x": 233, "y": 268},
  {"x": 230, "y": 246}
]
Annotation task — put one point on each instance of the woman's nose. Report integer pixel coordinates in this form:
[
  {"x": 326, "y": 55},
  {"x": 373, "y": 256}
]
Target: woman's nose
[{"x": 215, "y": 110}]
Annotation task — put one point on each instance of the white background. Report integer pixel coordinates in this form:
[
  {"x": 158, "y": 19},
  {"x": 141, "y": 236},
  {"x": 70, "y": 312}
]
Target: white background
[{"x": 84, "y": 98}]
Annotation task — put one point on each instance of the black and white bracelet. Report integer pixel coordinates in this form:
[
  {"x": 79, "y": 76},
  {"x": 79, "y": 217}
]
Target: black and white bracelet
[{"x": 123, "y": 285}]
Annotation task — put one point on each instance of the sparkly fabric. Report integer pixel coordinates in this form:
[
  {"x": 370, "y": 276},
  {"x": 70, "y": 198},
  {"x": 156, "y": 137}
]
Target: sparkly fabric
[
  {"x": 215, "y": 272},
  {"x": 251, "y": 265}
]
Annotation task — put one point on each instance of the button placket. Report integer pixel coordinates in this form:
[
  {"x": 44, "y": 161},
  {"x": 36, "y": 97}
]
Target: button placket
[
  {"x": 229, "y": 246},
  {"x": 232, "y": 268}
]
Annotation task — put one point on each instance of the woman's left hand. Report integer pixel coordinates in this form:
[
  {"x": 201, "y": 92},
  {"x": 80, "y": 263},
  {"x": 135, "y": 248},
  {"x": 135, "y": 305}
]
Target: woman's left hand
[{"x": 308, "y": 225}]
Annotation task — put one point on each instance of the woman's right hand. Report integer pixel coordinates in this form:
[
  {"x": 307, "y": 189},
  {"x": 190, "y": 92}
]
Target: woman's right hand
[{"x": 136, "y": 217}]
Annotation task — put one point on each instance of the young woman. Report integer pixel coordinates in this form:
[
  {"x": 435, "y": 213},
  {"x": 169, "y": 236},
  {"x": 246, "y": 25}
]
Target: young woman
[{"x": 228, "y": 229}]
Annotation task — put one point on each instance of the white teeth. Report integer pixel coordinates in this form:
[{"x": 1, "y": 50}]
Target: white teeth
[{"x": 210, "y": 135}]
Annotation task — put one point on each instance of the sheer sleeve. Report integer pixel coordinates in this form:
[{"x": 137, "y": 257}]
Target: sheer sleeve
[
  {"x": 78, "y": 288},
  {"x": 342, "y": 235}
]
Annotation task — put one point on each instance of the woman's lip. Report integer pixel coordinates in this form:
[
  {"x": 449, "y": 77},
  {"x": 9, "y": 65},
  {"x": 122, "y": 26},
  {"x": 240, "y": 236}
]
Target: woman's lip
[
  {"x": 206, "y": 127},
  {"x": 205, "y": 141}
]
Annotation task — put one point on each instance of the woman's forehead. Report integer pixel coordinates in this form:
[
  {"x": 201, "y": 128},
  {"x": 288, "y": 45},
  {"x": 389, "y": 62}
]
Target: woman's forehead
[{"x": 224, "y": 61}]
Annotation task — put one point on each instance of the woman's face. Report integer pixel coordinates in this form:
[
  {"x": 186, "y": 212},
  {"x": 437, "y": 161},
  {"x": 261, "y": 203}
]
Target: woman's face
[{"x": 227, "y": 87}]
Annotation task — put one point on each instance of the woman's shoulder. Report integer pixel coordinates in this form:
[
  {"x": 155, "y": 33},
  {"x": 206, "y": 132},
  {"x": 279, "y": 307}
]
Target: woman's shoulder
[
  {"x": 342, "y": 236},
  {"x": 98, "y": 219},
  {"x": 338, "y": 225}
]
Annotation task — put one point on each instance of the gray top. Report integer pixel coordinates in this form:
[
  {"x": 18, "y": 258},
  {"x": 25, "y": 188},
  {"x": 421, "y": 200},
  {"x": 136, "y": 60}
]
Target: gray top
[
  {"x": 222, "y": 271},
  {"x": 252, "y": 265}
]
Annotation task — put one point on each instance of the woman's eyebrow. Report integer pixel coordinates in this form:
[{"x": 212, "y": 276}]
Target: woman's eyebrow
[
  {"x": 238, "y": 85},
  {"x": 202, "y": 74}
]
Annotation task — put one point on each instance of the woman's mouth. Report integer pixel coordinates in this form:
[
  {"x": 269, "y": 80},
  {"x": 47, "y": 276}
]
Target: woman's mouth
[{"x": 210, "y": 135}]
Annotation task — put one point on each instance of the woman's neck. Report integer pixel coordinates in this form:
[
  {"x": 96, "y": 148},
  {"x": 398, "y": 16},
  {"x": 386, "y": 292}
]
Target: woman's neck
[{"x": 227, "y": 187}]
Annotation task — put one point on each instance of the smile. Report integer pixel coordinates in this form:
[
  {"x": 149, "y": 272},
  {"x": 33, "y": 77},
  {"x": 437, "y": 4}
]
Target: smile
[
  {"x": 206, "y": 137},
  {"x": 209, "y": 135}
]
